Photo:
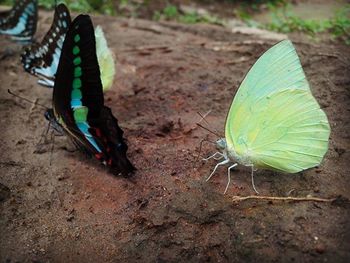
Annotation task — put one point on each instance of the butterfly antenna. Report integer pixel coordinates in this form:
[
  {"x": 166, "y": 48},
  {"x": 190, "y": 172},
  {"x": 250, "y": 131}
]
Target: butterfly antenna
[
  {"x": 205, "y": 128},
  {"x": 203, "y": 118},
  {"x": 27, "y": 100},
  {"x": 215, "y": 132}
]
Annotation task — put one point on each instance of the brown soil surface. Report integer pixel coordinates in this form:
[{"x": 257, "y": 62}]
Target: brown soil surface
[{"x": 74, "y": 211}]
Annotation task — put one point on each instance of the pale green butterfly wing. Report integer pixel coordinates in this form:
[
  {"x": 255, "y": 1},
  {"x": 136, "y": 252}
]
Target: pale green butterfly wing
[
  {"x": 105, "y": 59},
  {"x": 274, "y": 122}
]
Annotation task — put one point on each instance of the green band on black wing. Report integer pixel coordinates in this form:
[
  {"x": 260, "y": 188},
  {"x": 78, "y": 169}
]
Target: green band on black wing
[{"x": 80, "y": 112}]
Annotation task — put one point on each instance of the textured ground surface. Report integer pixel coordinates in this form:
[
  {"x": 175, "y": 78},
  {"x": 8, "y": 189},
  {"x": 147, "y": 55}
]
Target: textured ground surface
[{"x": 72, "y": 210}]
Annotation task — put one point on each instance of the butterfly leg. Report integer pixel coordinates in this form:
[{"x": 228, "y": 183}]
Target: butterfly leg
[
  {"x": 214, "y": 156},
  {"x": 216, "y": 167},
  {"x": 46, "y": 82},
  {"x": 200, "y": 147},
  {"x": 52, "y": 145},
  {"x": 43, "y": 140},
  {"x": 252, "y": 176},
  {"x": 229, "y": 176}
]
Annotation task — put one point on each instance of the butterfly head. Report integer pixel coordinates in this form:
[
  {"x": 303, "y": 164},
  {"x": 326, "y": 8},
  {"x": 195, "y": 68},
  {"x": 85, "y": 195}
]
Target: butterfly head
[
  {"x": 50, "y": 116},
  {"x": 221, "y": 144}
]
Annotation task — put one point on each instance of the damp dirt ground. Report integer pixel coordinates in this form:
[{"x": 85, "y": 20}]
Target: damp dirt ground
[{"x": 61, "y": 206}]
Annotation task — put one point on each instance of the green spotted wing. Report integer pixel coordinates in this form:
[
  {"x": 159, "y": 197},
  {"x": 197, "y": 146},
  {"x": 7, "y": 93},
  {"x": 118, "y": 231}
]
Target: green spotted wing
[{"x": 78, "y": 102}]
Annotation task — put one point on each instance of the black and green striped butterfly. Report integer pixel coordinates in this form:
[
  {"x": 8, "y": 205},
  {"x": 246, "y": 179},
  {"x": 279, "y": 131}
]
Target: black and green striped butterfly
[
  {"x": 41, "y": 59},
  {"x": 78, "y": 103},
  {"x": 20, "y": 22}
]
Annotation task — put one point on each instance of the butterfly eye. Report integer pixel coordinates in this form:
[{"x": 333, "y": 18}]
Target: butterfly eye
[
  {"x": 221, "y": 143},
  {"x": 47, "y": 115},
  {"x": 119, "y": 146}
]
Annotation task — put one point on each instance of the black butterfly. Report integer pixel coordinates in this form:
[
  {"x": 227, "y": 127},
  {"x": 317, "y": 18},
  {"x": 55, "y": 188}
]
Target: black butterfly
[
  {"x": 78, "y": 103},
  {"x": 42, "y": 59},
  {"x": 20, "y": 22}
]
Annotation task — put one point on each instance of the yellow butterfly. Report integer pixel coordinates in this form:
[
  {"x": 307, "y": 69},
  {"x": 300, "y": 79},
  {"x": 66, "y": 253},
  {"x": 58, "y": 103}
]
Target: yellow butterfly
[{"x": 274, "y": 121}]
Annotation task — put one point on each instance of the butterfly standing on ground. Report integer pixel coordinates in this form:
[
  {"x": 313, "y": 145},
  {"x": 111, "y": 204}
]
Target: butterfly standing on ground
[
  {"x": 274, "y": 121},
  {"x": 20, "y": 22},
  {"x": 41, "y": 59},
  {"x": 78, "y": 103}
]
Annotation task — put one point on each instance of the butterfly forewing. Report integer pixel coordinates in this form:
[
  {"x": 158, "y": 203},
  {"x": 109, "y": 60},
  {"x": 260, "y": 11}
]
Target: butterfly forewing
[{"x": 78, "y": 69}]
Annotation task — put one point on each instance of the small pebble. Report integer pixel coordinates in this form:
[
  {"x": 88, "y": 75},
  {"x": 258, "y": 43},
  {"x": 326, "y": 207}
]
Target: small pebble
[{"x": 320, "y": 248}]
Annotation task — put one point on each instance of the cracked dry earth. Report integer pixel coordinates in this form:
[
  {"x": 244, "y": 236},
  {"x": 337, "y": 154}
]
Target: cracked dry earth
[{"x": 74, "y": 211}]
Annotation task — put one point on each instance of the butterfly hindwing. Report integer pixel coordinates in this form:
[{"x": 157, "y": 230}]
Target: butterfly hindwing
[
  {"x": 106, "y": 130},
  {"x": 42, "y": 59},
  {"x": 105, "y": 59},
  {"x": 78, "y": 99},
  {"x": 20, "y": 22}
]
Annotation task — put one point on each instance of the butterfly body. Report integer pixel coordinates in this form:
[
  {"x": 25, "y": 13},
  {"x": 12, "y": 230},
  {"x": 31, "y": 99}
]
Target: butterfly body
[
  {"x": 54, "y": 123},
  {"x": 78, "y": 103},
  {"x": 20, "y": 22},
  {"x": 274, "y": 121}
]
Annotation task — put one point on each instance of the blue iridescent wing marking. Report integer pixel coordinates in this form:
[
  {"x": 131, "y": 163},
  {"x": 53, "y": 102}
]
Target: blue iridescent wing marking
[{"x": 20, "y": 22}]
